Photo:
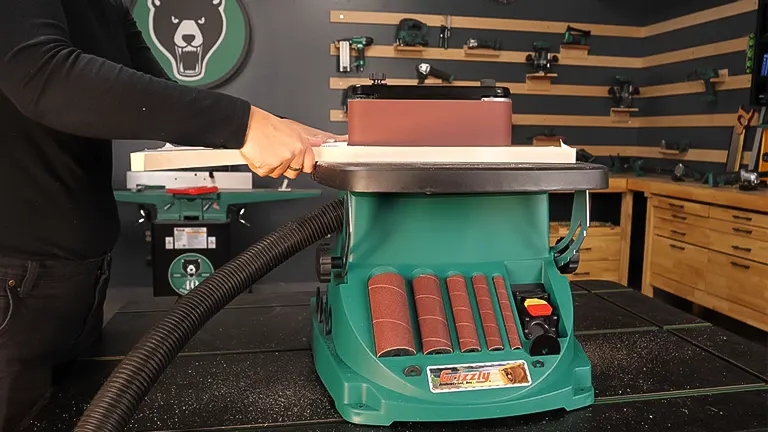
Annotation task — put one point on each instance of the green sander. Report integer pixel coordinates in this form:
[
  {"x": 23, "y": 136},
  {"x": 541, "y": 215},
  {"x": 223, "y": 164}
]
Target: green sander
[
  {"x": 442, "y": 299},
  {"x": 451, "y": 305}
]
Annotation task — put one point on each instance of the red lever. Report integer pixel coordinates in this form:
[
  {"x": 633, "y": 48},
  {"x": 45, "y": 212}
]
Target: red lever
[{"x": 199, "y": 190}]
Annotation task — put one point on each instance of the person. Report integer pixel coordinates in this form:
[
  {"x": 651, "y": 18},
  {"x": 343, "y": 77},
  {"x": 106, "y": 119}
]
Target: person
[{"x": 75, "y": 75}]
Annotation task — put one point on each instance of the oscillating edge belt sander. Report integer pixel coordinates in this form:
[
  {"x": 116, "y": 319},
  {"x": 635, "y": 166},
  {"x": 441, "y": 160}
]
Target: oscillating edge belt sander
[{"x": 443, "y": 298}]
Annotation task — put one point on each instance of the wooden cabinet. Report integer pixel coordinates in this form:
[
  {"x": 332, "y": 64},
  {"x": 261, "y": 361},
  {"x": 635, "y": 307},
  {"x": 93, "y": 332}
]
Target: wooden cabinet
[
  {"x": 600, "y": 254},
  {"x": 712, "y": 255}
]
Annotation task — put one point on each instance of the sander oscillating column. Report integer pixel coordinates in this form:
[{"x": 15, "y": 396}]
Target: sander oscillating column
[{"x": 444, "y": 299}]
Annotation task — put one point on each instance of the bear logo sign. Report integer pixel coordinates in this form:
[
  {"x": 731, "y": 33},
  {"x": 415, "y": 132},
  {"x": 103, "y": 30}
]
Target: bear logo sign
[{"x": 201, "y": 43}]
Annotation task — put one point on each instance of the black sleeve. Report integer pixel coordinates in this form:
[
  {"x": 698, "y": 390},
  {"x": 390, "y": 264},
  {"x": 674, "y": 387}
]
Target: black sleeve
[
  {"x": 56, "y": 84},
  {"x": 142, "y": 58}
]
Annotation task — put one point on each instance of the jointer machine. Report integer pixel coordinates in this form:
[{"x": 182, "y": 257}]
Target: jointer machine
[
  {"x": 442, "y": 299},
  {"x": 190, "y": 215}
]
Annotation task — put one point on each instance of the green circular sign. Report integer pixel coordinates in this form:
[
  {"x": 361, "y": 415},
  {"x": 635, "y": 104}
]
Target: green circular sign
[
  {"x": 200, "y": 43},
  {"x": 188, "y": 271}
]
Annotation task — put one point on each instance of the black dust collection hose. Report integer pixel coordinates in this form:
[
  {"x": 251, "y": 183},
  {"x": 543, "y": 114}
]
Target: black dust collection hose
[{"x": 119, "y": 398}]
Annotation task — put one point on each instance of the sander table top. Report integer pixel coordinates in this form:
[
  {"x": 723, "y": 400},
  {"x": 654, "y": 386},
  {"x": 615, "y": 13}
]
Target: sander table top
[{"x": 655, "y": 369}]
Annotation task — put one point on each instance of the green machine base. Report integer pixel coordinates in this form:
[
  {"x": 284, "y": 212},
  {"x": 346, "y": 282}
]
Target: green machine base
[{"x": 487, "y": 226}]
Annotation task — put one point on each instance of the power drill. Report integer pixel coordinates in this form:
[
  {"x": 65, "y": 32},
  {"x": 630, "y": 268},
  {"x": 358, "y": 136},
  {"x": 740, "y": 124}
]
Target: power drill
[
  {"x": 473, "y": 43},
  {"x": 706, "y": 74},
  {"x": 359, "y": 43},
  {"x": 571, "y": 33}
]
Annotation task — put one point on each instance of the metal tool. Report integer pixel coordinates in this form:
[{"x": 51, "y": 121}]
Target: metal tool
[
  {"x": 426, "y": 70},
  {"x": 492, "y": 44},
  {"x": 445, "y": 32},
  {"x": 757, "y": 146},
  {"x": 706, "y": 75},
  {"x": 575, "y": 36},
  {"x": 412, "y": 33},
  {"x": 623, "y": 92},
  {"x": 674, "y": 147},
  {"x": 743, "y": 119},
  {"x": 541, "y": 60},
  {"x": 359, "y": 44}
]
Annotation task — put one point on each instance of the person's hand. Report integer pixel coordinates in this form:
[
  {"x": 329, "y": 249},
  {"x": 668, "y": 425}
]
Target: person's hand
[
  {"x": 318, "y": 137},
  {"x": 275, "y": 147}
]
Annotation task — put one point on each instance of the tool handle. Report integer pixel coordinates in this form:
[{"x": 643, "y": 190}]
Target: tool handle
[
  {"x": 443, "y": 75},
  {"x": 743, "y": 119}
]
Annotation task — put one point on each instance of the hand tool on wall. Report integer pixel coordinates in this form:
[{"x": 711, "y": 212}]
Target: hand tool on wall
[
  {"x": 575, "y": 36},
  {"x": 750, "y": 60},
  {"x": 682, "y": 172},
  {"x": 411, "y": 33},
  {"x": 746, "y": 180},
  {"x": 358, "y": 43},
  {"x": 494, "y": 44},
  {"x": 445, "y": 33},
  {"x": 425, "y": 70},
  {"x": 706, "y": 75},
  {"x": 743, "y": 119},
  {"x": 758, "y": 146},
  {"x": 623, "y": 92},
  {"x": 541, "y": 60}
]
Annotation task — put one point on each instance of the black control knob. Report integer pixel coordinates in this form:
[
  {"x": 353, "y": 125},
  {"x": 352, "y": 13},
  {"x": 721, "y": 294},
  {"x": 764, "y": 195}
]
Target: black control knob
[
  {"x": 323, "y": 262},
  {"x": 377, "y": 78}
]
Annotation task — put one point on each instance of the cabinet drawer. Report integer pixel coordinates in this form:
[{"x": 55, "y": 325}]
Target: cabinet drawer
[
  {"x": 674, "y": 287},
  {"x": 738, "y": 229},
  {"x": 737, "y": 280},
  {"x": 740, "y": 216},
  {"x": 681, "y": 206},
  {"x": 604, "y": 270},
  {"x": 681, "y": 217},
  {"x": 597, "y": 248},
  {"x": 678, "y": 261},
  {"x": 738, "y": 245},
  {"x": 680, "y": 230}
]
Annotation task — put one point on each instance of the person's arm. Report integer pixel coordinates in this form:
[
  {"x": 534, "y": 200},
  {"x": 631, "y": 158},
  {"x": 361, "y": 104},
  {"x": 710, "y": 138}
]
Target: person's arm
[
  {"x": 142, "y": 58},
  {"x": 58, "y": 85}
]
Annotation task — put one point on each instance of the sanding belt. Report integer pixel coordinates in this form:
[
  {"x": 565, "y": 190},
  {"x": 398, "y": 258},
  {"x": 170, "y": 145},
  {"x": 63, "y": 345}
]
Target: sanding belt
[{"x": 391, "y": 317}]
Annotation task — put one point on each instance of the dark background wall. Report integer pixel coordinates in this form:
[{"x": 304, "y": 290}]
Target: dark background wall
[{"x": 288, "y": 70}]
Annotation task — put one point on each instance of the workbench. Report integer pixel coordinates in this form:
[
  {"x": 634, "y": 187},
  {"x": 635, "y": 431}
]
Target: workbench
[
  {"x": 655, "y": 368},
  {"x": 707, "y": 245}
]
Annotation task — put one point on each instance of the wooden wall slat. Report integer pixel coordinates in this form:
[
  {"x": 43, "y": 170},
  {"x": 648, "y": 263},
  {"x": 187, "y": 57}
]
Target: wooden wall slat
[
  {"x": 718, "y": 48},
  {"x": 482, "y": 23},
  {"x": 735, "y": 82},
  {"x": 695, "y": 120},
  {"x": 716, "y": 13}
]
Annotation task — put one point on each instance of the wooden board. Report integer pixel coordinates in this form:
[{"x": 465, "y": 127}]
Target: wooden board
[
  {"x": 152, "y": 160},
  {"x": 733, "y": 82},
  {"x": 533, "y": 26}
]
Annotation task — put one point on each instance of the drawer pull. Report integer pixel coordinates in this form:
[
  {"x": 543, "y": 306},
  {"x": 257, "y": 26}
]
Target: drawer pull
[
  {"x": 674, "y": 246},
  {"x": 581, "y": 274},
  {"x": 744, "y": 218},
  {"x": 680, "y": 233},
  {"x": 739, "y": 248},
  {"x": 676, "y": 205},
  {"x": 679, "y": 217},
  {"x": 744, "y": 266},
  {"x": 585, "y": 249},
  {"x": 742, "y": 230}
]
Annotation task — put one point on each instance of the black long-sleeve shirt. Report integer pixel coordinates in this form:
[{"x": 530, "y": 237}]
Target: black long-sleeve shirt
[{"x": 74, "y": 75}]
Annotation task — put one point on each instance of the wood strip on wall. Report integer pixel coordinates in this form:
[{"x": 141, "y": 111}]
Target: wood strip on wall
[
  {"x": 695, "y": 120},
  {"x": 389, "y": 51},
  {"x": 480, "y": 23},
  {"x": 692, "y": 53},
  {"x": 734, "y": 82},
  {"x": 718, "y": 48},
  {"x": 694, "y": 155},
  {"x": 692, "y": 87},
  {"x": 392, "y": 18},
  {"x": 716, "y": 13},
  {"x": 337, "y": 83}
]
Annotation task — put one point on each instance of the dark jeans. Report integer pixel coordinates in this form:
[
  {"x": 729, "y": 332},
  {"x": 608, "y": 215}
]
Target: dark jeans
[{"x": 50, "y": 311}]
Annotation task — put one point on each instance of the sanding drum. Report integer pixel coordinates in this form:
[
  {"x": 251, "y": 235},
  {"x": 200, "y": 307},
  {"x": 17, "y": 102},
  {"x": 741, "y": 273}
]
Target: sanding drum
[
  {"x": 393, "y": 332},
  {"x": 428, "y": 116}
]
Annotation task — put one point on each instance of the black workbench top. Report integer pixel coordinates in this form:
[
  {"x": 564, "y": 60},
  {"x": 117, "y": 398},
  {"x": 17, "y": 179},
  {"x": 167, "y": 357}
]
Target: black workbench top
[{"x": 655, "y": 368}]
